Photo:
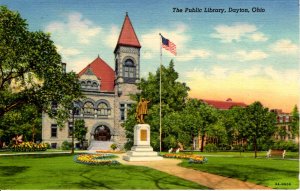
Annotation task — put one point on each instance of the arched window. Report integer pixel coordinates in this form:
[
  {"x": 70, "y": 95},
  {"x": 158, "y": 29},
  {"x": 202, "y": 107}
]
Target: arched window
[
  {"x": 129, "y": 69},
  {"x": 88, "y": 108},
  {"x": 95, "y": 84},
  {"x": 103, "y": 109}
]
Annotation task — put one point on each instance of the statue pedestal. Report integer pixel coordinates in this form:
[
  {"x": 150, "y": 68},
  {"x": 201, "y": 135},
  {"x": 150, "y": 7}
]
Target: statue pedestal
[{"x": 141, "y": 150}]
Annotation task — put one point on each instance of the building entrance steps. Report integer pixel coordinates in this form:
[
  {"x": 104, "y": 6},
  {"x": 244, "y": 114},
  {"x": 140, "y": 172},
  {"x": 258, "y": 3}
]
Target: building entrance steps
[
  {"x": 213, "y": 181},
  {"x": 100, "y": 145}
]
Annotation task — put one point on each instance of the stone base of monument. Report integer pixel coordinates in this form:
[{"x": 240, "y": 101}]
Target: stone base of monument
[{"x": 141, "y": 151}]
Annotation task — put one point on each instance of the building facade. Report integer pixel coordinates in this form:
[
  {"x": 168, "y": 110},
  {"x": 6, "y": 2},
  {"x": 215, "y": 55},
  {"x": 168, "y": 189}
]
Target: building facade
[
  {"x": 284, "y": 129},
  {"x": 107, "y": 96}
]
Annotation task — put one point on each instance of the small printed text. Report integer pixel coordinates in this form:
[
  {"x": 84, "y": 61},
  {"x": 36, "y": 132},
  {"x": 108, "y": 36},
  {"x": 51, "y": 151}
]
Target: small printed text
[{"x": 218, "y": 10}]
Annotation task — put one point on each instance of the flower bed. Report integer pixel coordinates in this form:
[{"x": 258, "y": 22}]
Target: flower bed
[
  {"x": 192, "y": 158},
  {"x": 29, "y": 147},
  {"x": 96, "y": 159},
  {"x": 110, "y": 151}
]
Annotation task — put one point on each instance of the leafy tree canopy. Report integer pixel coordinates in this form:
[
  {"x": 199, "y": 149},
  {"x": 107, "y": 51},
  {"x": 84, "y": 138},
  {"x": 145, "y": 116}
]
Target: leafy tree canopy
[
  {"x": 31, "y": 70},
  {"x": 174, "y": 96},
  {"x": 295, "y": 121},
  {"x": 260, "y": 124}
]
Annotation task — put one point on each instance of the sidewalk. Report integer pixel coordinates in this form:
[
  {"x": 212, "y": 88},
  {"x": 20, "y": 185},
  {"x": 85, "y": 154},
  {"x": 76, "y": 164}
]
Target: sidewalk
[{"x": 170, "y": 166}]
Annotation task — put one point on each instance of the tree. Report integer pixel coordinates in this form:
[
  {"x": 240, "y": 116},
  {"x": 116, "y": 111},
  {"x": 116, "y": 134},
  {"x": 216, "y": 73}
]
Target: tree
[
  {"x": 295, "y": 121},
  {"x": 260, "y": 124},
  {"x": 80, "y": 130},
  {"x": 25, "y": 121},
  {"x": 208, "y": 117},
  {"x": 174, "y": 96},
  {"x": 234, "y": 120},
  {"x": 31, "y": 71}
]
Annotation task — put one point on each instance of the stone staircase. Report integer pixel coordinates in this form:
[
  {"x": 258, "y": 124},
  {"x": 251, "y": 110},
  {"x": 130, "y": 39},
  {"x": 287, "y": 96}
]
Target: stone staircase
[{"x": 100, "y": 145}]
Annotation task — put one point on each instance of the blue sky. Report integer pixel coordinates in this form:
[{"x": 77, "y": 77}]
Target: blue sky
[{"x": 245, "y": 56}]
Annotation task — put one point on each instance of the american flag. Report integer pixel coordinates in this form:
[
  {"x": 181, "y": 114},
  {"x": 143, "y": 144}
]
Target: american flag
[{"x": 168, "y": 45}]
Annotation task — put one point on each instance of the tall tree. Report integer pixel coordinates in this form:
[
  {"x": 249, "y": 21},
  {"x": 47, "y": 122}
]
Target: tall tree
[
  {"x": 174, "y": 95},
  {"x": 31, "y": 71},
  {"x": 295, "y": 121},
  {"x": 234, "y": 120},
  {"x": 25, "y": 121},
  {"x": 261, "y": 124}
]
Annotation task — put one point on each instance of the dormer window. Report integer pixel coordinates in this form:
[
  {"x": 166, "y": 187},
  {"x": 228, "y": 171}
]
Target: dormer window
[
  {"x": 94, "y": 84},
  {"x": 90, "y": 85}
]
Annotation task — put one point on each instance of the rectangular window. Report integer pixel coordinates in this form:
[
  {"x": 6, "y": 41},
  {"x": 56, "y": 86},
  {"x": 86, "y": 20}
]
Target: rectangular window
[
  {"x": 53, "y": 145},
  {"x": 54, "y": 130},
  {"x": 131, "y": 72},
  {"x": 124, "y": 109},
  {"x": 280, "y": 119},
  {"x": 287, "y": 119},
  {"x": 54, "y": 107},
  {"x": 122, "y": 112},
  {"x": 126, "y": 72}
]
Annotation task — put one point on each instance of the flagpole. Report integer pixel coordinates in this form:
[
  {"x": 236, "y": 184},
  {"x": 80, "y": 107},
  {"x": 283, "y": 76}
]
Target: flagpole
[{"x": 160, "y": 94}]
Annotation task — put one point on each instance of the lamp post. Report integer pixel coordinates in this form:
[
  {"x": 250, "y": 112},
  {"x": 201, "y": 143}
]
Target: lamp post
[{"x": 74, "y": 109}]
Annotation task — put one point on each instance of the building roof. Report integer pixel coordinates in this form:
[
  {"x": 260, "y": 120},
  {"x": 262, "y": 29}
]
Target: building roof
[
  {"x": 103, "y": 72},
  {"x": 224, "y": 105},
  {"x": 127, "y": 35}
]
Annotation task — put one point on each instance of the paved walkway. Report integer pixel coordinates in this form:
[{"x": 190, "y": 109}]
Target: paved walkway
[{"x": 213, "y": 181}]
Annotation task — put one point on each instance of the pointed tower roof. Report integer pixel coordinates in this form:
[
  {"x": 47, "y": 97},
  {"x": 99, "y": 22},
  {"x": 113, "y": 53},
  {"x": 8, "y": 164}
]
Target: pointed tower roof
[
  {"x": 103, "y": 72},
  {"x": 127, "y": 35}
]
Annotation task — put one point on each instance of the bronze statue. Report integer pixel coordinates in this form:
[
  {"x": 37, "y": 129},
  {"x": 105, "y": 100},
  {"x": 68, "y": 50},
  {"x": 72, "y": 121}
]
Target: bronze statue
[{"x": 142, "y": 110}]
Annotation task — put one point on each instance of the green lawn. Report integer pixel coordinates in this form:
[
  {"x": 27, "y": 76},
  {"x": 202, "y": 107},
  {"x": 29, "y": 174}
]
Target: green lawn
[
  {"x": 274, "y": 173},
  {"x": 60, "y": 172},
  {"x": 260, "y": 154}
]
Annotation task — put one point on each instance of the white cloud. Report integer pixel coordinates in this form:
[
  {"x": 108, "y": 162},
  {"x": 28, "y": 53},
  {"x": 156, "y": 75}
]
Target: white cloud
[
  {"x": 193, "y": 54},
  {"x": 252, "y": 55},
  {"x": 237, "y": 31},
  {"x": 66, "y": 52},
  {"x": 78, "y": 64},
  {"x": 258, "y": 37},
  {"x": 219, "y": 72},
  {"x": 234, "y": 32},
  {"x": 284, "y": 46},
  {"x": 80, "y": 29},
  {"x": 112, "y": 38},
  {"x": 243, "y": 56}
]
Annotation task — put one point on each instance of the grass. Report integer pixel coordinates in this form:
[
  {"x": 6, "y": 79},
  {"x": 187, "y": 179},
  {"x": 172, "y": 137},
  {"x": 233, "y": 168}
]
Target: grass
[
  {"x": 274, "y": 173},
  {"x": 260, "y": 154},
  {"x": 61, "y": 172}
]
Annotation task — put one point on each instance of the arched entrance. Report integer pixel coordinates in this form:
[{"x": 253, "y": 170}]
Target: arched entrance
[{"x": 102, "y": 133}]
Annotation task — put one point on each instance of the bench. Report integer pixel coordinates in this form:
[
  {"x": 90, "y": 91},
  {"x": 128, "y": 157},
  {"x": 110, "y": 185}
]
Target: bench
[
  {"x": 271, "y": 153},
  {"x": 174, "y": 150}
]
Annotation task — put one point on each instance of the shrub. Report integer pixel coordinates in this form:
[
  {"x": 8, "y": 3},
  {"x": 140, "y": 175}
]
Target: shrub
[
  {"x": 170, "y": 142},
  {"x": 29, "y": 147},
  {"x": 48, "y": 145},
  {"x": 286, "y": 145},
  {"x": 66, "y": 145},
  {"x": 210, "y": 148},
  {"x": 113, "y": 146}
]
